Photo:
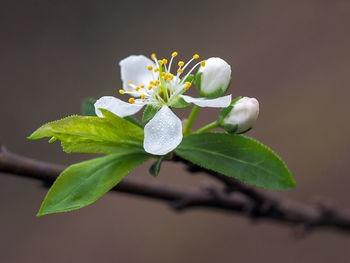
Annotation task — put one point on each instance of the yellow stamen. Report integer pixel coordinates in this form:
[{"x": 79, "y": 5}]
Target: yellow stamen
[
  {"x": 174, "y": 54},
  {"x": 188, "y": 85},
  {"x": 149, "y": 87},
  {"x": 121, "y": 91},
  {"x": 203, "y": 63},
  {"x": 142, "y": 86},
  {"x": 131, "y": 100},
  {"x": 130, "y": 81},
  {"x": 155, "y": 88},
  {"x": 143, "y": 96},
  {"x": 181, "y": 63},
  {"x": 160, "y": 62},
  {"x": 153, "y": 56},
  {"x": 165, "y": 61},
  {"x": 152, "y": 82},
  {"x": 195, "y": 56},
  {"x": 137, "y": 88},
  {"x": 150, "y": 68},
  {"x": 180, "y": 70},
  {"x": 171, "y": 76},
  {"x": 157, "y": 82},
  {"x": 163, "y": 74},
  {"x": 156, "y": 69}
]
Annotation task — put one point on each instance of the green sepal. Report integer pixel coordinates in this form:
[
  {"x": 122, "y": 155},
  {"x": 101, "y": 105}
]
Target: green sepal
[
  {"x": 87, "y": 107},
  {"x": 149, "y": 112},
  {"x": 225, "y": 111},
  {"x": 83, "y": 183},
  {"x": 219, "y": 91},
  {"x": 230, "y": 128},
  {"x": 179, "y": 103},
  {"x": 237, "y": 156},
  {"x": 190, "y": 78},
  {"x": 86, "y": 134},
  {"x": 197, "y": 81},
  {"x": 155, "y": 167}
]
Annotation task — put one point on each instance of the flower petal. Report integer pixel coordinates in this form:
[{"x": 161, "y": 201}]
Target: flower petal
[
  {"x": 116, "y": 106},
  {"x": 163, "y": 133},
  {"x": 134, "y": 68},
  {"x": 220, "y": 102}
]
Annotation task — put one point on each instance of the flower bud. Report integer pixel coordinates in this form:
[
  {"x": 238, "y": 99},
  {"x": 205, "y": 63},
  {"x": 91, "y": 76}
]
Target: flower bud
[
  {"x": 213, "y": 79},
  {"x": 242, "y": 116}
]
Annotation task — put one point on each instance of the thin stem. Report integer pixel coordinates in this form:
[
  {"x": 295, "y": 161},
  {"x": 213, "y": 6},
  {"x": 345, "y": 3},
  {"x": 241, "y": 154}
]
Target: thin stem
[
  {"x": 208, "y": 127},
  {"x": 191, "y": 119}
]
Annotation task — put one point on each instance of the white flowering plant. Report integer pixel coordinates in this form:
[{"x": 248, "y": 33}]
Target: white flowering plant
[{"x": 108, "y": 128}]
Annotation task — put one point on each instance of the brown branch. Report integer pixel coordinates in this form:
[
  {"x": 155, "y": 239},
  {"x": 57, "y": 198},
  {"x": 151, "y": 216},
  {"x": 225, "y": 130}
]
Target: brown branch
[{"x": 240, "y": 198}]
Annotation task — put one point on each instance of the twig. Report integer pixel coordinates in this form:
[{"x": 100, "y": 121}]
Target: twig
[{"x": 243, "y": 200}]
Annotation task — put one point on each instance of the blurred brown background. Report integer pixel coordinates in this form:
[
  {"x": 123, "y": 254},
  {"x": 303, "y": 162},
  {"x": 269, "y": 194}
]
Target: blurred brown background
[{"x": 293, "y": 57}]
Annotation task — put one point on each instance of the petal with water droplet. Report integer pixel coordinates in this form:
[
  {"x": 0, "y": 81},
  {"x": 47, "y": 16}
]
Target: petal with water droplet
[{"x": 163, "y": 133}]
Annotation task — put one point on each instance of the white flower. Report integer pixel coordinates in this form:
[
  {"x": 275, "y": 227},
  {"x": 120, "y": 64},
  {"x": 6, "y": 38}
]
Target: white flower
[
  {"x": 215, "y": 78},
  {"x": 244, "y": 114},
  {"x": 151, "y": 82}
]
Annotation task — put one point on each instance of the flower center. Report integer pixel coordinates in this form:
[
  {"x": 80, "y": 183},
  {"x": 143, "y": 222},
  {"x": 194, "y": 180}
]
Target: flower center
[{"x": 165, "y": 86}]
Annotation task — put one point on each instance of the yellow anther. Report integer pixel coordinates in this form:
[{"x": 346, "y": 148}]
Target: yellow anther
[
  {"x": 181, "y": 63},
  {"x": 121, "y": 91},
  {"x": 165, "y": 61},
  {"x": 168, "y": 80},
  {"x": 188, "y": 84},
  {"x": 142, "y": 86},
  {"x": 149, "y": 67},
  {"x": 163, "y": 74},
  {"x": 143, "y": 96},
  {"x": 174, "y": 54},
  {"x": 171, "y": 76},
  {"x": 149, "y": 87},
  {"x": 151, "y": 83},
  {"x": 180, "y": 70},
  {"x": 153, "y": 56},
  {"x": 157, "y": 82},
  {"x": 195, "y": 56},
  {"x": 137, "y": 88},
  {"x": 131, "y": 100},
  {"x": 156, "y": 69},
  {"x": 130, "y": 81},
  {"x": 155, "y": 89},
  {"x": 202, "y": 63}
]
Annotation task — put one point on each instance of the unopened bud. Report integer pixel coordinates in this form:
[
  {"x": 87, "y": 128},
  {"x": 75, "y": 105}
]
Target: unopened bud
[
  {"x": 213, "y": 78},
  {"x": 242, "y": 116}
]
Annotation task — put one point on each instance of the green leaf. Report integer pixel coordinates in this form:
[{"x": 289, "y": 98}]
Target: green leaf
[
  {"x": 134, "y": 121},
  {"x": 83, "y": 183},
  {"x": 110, "y": 134},
  {"x": 149, "y": 112},
  {"x": 87, "y": 107},
  {"x": 237, "y": 156},
  {"x": 155, "y": 167}
]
